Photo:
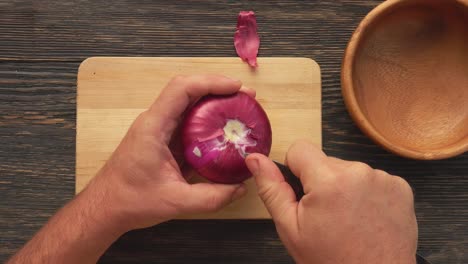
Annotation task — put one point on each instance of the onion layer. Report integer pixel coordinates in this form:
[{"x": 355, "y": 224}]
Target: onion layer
[
  {"x": 220, "y": 131},
  {"x": 246, "y": 38}
]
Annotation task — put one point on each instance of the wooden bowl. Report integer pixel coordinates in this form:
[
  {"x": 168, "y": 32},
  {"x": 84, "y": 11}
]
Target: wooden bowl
[{"x": 405, "y": 77}]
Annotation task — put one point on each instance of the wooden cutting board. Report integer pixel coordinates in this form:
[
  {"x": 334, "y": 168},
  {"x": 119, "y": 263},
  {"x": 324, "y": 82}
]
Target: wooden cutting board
[{"x": 113, "y": 91}]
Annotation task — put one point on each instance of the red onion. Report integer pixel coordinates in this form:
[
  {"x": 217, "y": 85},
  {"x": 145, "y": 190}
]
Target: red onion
[{"x": 219, "y": 131}]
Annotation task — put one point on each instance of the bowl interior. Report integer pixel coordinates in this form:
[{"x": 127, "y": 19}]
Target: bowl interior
[{"x": 410, "y": 75}]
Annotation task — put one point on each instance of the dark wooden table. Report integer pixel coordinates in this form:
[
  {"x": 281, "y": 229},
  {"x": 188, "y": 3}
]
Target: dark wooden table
[{"x": 41, "y": 46}]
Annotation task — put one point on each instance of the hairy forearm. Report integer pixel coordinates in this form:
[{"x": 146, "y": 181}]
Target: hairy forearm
[{"x": 79, "y": 233}]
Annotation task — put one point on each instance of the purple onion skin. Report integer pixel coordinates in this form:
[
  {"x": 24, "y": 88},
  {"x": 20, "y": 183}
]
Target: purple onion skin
[{"x": 211, "y": 149}]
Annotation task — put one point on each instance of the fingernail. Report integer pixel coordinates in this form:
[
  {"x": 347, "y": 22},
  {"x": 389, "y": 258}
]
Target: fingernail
[
  {"x": 239, "y": 192},
  {"x": 253, "y": 165}
]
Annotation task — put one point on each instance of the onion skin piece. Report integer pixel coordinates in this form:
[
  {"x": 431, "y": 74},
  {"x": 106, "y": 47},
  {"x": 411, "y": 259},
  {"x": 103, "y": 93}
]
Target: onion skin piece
[
  {"x": 246, "y": 38},
  {"x": 219, "y": 131}
]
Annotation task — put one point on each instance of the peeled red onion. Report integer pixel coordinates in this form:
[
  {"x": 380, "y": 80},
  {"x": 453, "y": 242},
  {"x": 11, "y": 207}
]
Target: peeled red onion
[{"x": 219, "y": 131}]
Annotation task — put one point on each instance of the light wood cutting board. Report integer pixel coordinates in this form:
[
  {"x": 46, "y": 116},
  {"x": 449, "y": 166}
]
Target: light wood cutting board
[{"x": 113, "y": 91}]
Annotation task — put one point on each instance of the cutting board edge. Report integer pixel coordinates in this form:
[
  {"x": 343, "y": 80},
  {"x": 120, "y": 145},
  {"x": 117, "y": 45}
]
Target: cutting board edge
[{"x": 89, "y": 60}]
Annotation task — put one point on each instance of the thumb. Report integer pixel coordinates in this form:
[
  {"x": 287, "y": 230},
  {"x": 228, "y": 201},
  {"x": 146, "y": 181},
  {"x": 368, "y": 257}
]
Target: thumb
[
  {"x": 210, "y": 197},
  {"x": 276, "y": 193}
]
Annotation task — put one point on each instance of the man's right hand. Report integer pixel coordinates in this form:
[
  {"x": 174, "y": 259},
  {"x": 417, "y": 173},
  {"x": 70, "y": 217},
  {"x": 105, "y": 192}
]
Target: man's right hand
[{"x": 350, "y": 213}]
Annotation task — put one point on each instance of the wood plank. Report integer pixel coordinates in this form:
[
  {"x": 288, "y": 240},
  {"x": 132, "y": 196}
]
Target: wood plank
[{"x": 113, "y": 91}]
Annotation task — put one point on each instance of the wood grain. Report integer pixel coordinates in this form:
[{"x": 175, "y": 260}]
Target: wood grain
[
  {"x": 113, "y": 91},
  {"x": 42, "y": 44}
]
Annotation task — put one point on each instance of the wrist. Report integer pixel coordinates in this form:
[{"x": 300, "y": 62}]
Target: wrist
[
  {"x": 103, "y": 208},
  {"x": 119, "y": 202},
  {"x": 80, "y": 232}
]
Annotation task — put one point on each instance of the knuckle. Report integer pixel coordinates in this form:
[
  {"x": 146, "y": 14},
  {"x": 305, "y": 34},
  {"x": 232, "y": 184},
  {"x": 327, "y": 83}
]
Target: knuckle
[
  {"x": 361, "y": 168},
  {"x": 213, "y": 203},
  {"x": 403, "y": 190},
  {"x": 381, "y": 172},
  {"x": 267, "y": 193},
  {"x": 379, "y": 175},
  {"x": 403, "y": 185}
]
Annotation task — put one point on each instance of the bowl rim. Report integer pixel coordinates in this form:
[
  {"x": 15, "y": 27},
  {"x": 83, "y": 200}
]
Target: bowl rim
[{"x": 347, "y": 90}]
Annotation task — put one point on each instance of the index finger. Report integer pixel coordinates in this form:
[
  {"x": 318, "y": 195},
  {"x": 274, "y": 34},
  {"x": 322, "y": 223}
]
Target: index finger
[
  {"x": 308, "y": 163},
  {"x": 182, "y": 90}
]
